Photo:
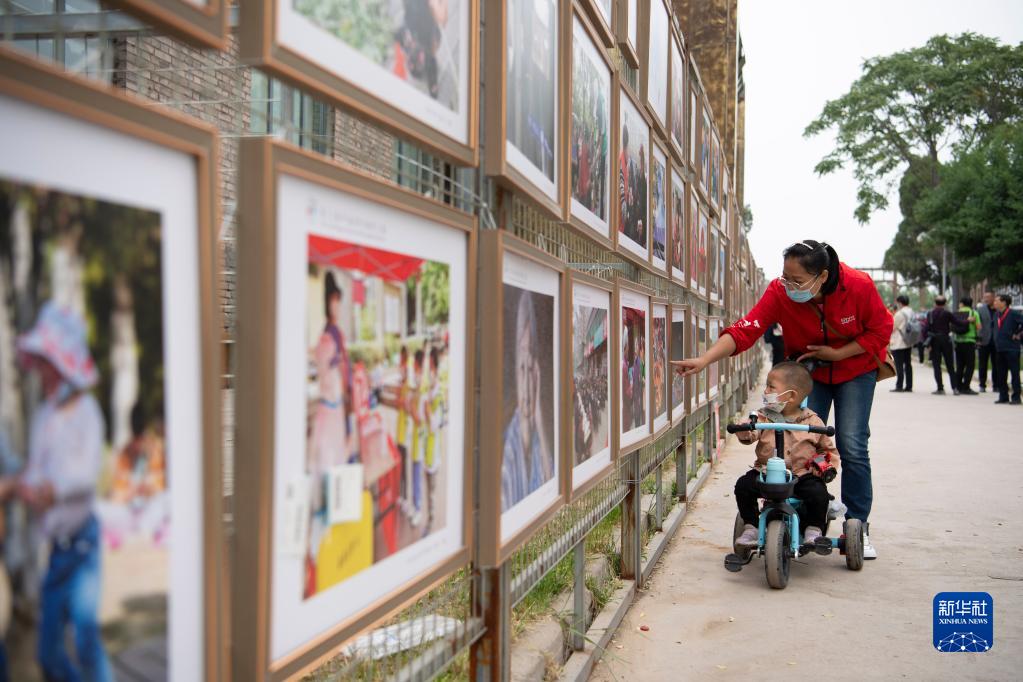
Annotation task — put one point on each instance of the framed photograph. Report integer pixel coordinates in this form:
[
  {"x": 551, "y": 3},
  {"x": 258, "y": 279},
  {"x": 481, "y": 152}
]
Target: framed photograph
[
  {"x": 693, "y": 140},
  {"x": 524, "y": 70},
  {"x": 660, "y": 387},
  {"x": 633, "y": 333},
  {"x": 702, "y": 262},
  {"x": 356, "y": 494},
  {"x": 715, "y": 171},
  {"x": 200, "y": 22},
  {"x": 678, "y": 350},
  {"x": 633, "y": 232},
  {"x": 523, "y": 369},
  {"x": 601, "y": 13},
  {"x": 659, "y": 182},
  {"x": 590, "y": 123},
  {"x": 591, "y": 386},
  {"x": 628, "y": 31},
  {"x": 657, "y": 62},
  {"x": 677, "y": 115},
  {"x": 692, "y": 239},
  {"x": 714, "y": 282},
  {"x": 110, "y": 407},
  {"x": 722, "y": 256},
  {"x": 701, "y": 347},
  {"x": 714, "y": 370},
  {"x": 408, "y": 66},
  {"x": 679, "y": 230},
  {"x": 692, "y": 335},
  {"x": 705, "y": 151}
]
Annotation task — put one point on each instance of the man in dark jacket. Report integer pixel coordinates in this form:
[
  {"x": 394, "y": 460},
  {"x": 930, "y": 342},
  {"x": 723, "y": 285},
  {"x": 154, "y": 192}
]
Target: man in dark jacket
[
  {"x": 939, "y": 331},
  {"x": 986, "y": 340},
  {"x": 1007, "y": 331}
]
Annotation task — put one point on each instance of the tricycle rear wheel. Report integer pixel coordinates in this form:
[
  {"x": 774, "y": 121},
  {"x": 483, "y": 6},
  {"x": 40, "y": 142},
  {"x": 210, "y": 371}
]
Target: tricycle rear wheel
[
  {"x": 853, "y": 544},
  {"x": 776, "y": 554}
]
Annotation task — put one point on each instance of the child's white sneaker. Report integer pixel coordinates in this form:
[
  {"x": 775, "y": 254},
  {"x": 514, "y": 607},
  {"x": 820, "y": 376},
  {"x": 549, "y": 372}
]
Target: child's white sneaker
[
  {"x": 750, "y": 537},
  {"x": 811, "y": 534}
]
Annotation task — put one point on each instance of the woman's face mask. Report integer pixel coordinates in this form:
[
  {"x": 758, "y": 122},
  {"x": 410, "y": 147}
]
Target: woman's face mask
[
  {"x": 773, "y": 403},
  {"x": 799, "y": 294}
]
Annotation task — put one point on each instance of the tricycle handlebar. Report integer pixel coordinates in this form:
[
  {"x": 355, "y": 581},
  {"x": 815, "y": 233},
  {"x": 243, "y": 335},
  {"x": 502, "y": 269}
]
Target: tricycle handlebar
[{"x": 736, "y": 428}]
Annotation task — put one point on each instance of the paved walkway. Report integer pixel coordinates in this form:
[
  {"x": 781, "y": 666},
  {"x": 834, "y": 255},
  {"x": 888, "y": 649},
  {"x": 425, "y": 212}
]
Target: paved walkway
[{"x": 948, "y": 516}]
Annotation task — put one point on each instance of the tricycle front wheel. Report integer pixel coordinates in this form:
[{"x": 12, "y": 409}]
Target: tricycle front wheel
[{"x": 776, "y": 554}]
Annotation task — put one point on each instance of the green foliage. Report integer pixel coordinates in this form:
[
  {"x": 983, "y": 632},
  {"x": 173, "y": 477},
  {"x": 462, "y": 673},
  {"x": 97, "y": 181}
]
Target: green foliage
[
  {"x": 365, "y": 25},
  {"x": 978, "y": 208},
  {"x": 436, "y": 293},
  {"x": 940, "y": 98}
]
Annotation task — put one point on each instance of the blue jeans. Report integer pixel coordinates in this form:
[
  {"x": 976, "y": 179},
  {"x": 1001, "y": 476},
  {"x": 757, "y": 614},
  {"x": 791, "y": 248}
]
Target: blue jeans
[
  {"x": 71, "y": 597},
  {"x": 852, "y": 400}
]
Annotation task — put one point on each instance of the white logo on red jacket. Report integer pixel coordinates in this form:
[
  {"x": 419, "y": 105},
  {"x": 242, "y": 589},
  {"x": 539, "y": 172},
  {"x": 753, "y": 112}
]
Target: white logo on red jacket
[{"x": 847, "y": 320}]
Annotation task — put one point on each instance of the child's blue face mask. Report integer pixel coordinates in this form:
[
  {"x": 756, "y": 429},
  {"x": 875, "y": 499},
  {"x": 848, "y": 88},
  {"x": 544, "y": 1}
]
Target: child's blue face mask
[{"x": 802, "y": 295}]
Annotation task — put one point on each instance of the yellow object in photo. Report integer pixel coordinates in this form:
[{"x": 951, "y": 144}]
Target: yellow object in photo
[{"x": 347, "y": 548}]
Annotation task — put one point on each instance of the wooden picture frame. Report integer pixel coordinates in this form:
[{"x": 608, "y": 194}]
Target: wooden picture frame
[
  {"x": 678, "y": 96},
  {"x": 715, "y": 171},
  {"x": 632, "y": 229},
  {"x": 677, "y": 350},
  {"x": 703, "y": 378},
  {"x": 503, "y": 257},
  {"x": 512, "y": 166},
  {"x": 714, "y": 371},
  {"x": 293, "y": 46},
  {"x": 659, "y": 205},
  {"x": 660, "y": 421},
  {"x": 203, "y": 25},
  {"x": 577, "y": 211},
  {"x": 626, "y": 31},
  {"x": 633, "y": 429},
  {"x": 602, "y": 15},
  {"x": 692, "y": 400},
  {"x": 333, "y": 213},
  {"x": 713, "y": 263},
  {"x": 73, "y": 136},
  {"x": 584, "y": 475},
  {"x": 678, "y": 228},
  {"x": 655, "y": 68}
]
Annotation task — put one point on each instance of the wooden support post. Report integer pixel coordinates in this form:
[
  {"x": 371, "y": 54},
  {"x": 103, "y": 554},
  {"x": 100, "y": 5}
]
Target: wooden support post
[
  {"x": 490, "y": 656},
  {"x": 632, "y": 567}
]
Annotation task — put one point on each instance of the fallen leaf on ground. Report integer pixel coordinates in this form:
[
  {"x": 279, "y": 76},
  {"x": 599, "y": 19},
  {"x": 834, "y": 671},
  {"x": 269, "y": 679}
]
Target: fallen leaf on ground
[
  {"x": 644, "y": 628},
  {"x": 792, "y": 662},
  {"x": 731, "y": 619},
  {"x": 722, "y": 667}
]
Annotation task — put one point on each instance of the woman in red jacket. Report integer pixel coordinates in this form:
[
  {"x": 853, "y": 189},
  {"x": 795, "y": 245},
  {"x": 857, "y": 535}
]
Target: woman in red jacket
[{"x": 834, "y": 319}]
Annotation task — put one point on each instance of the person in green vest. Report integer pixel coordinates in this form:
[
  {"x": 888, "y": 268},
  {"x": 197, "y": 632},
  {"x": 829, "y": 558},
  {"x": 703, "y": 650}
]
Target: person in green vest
[
  {"x": 434, "y": 422},
  {"x": 966, "y": 346}
]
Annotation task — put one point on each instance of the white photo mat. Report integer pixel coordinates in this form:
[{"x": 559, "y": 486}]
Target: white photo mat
[{"x": 657, "y": 61}]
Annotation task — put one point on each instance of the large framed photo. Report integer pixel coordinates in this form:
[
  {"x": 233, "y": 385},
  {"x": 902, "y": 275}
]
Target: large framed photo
[
  {"x": 524, "y": 372},
  {"x": 693, "y": 117},
  {"x": 714, "y": 370},
  {"x": 633, "y": 233},
  {"x": 702, "y": 262},
  {"x": 679, "y": 230},
  {"x": 692, "y": 335},
  {"x": 409, "y": 66},
  {"x": 702, "y": 394},
  {"x": 714, "y": 283},
  {"x": 677, "y": 351},
  {"x": 353, "y": 500},
  {"x": 633, "y": 353},
  {"x": 109, "y": 378},
  {"x": 627, "y": 30},
  {"x": 657, "y": 62},
  {"x": 524, "y": 98},
  {"x": 677, "y": 114},
  {"x": 715, "y": 171},
  {"x": 659, "y": 183},
  {"x": 591, "y": 120},
  {"x": 592, "y": 389},
  {"x": 660, "y": 387},
  {"x": 200, "y": 22},
  {"x": 722, "y": 258},
  {"x": 692, "y": 239},
  {"x": 705, "y": 151}
]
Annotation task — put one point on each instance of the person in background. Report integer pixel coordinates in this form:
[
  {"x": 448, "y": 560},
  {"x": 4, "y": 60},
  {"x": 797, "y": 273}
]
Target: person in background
[
  {"x": 10, "y": 464},
  {"x": 939, "y": 331},
  {"x": 59, "y": 485},
  {"x": 921, "y": 346},
  {"x": 1008, "y": 331},
  {"x": 773, "y": 338},
  {"x": 902, "y": 351},
  {"x": 986, "y": 340},
  {"x": 966, "y": 346}
]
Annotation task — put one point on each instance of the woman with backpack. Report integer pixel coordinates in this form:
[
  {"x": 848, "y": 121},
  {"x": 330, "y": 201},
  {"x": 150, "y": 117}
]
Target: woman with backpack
[
  {"x": 905, "y": 335},
  {"x": 836, "y": 323}
]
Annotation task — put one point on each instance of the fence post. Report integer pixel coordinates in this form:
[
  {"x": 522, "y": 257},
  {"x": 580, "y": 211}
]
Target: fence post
[
  {"x": 632, "y": 568},
  {"x": 490, "y": 656},
  {"x": 681, "y": 476},
  {"x": 659, "y": 498},
  {"x": 579, "y": 610}
]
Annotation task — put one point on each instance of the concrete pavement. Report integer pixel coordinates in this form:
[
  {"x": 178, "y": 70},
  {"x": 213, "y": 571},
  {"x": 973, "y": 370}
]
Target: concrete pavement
[{"x": 947, "y": 516}]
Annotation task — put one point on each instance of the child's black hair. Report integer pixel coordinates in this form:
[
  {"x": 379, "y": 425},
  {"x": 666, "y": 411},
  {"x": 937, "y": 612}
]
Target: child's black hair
[
  {"x": 434, "y": 357},
  {"x": 418, "y": 358}
]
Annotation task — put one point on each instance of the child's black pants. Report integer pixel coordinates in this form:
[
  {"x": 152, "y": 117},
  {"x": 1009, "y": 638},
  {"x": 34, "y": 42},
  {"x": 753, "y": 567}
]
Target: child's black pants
[{"x": 809, "y": 488}]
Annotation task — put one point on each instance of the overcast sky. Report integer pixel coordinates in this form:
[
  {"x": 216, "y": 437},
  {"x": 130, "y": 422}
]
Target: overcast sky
[{"x": 799, "y": 54}]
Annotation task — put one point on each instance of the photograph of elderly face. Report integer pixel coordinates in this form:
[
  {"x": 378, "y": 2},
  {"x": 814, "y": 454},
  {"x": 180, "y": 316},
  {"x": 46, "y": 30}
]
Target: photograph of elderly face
[
  {"x": 528, "y": 459},
  {"x": 678, "y": 229},
  {"x": 83, "y": 445},
  {"x": 678, "y": 95},
  {"x": 632, "y": 179},
  {"x": 591, "y": 130},
  {"x": 377, "y": 387},
  {"x": 532, "y": 85},
  {"x": 634, "y": 367},
  {"x": 659, "y": 209},
  {"x": 591, "y": 372},
  {"x": 657, "y": 62}
]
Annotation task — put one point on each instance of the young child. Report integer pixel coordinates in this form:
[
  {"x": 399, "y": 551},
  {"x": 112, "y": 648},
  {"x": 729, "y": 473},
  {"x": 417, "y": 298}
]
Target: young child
[{"x": 807, "y": 455}]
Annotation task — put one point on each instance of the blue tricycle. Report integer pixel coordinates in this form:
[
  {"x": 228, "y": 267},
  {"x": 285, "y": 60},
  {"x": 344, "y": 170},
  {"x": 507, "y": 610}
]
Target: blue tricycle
[{"x": 780, "y": 532}]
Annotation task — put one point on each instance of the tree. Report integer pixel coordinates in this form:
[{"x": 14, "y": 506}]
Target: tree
[{"x": 978, "y": 208}]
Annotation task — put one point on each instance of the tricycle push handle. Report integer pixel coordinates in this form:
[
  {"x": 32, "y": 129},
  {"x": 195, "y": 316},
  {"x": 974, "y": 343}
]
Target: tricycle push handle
[{"x": 768, "y": 426}]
